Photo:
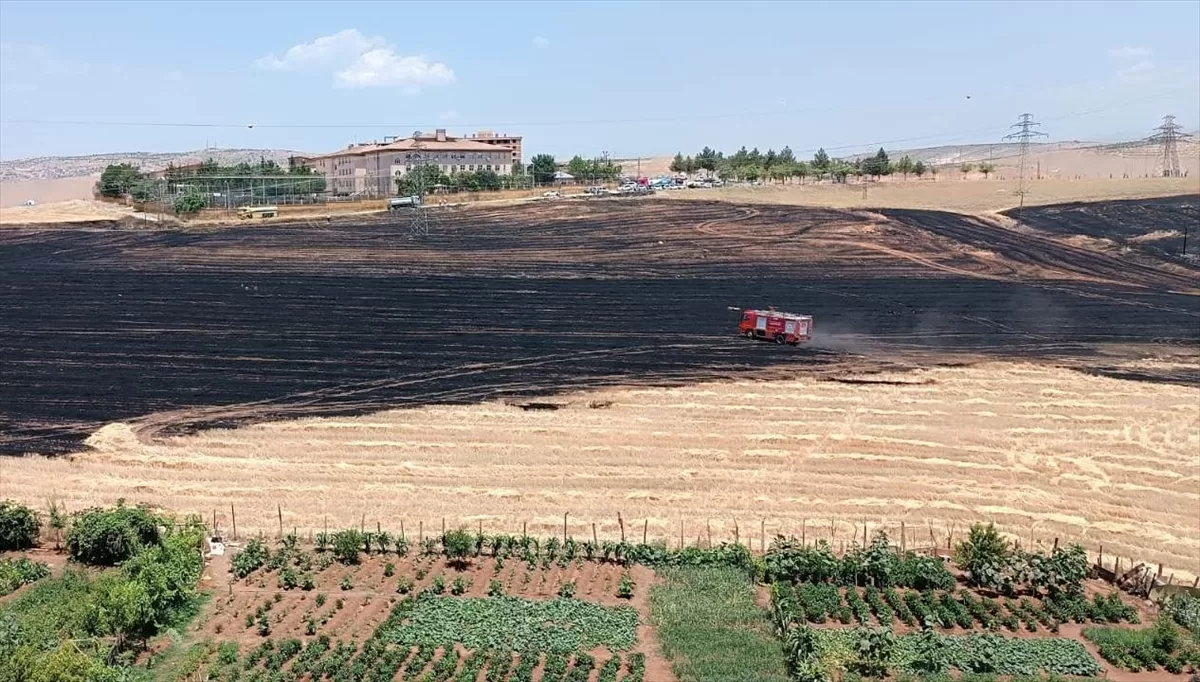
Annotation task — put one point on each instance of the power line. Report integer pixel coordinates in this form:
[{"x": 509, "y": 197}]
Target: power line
[
  {"x": 1168, "y": 136},
  {"x": 1024, "y": 134}
]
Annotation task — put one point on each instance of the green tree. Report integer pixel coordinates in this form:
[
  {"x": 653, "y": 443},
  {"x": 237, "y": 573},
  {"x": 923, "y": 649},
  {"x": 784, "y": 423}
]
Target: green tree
[
  {"x": 488, "y": 180},
  {"x": 919, "y": 168},
  {"x": 820, "y": 162},
  {"x": 786, "y": 156},
  {"x": 544, "y": 167},
  {"x": 707, "y": 160},
  {"x": 965, "y": 168},
  {"x": 677, "y": 164},
  {"x": 458, "y": 545},
  {"x": 421, "y": 180},
  {"x": 877, "y": 165},
  {"x": 904, "y": 166},
  {"x": 801, "y": 170},
  {"x": 580, "y": 168},
  {"x": 191, "y": 202},
  {"x": 987, "y": 168},
  {"x": 118, "y": 179},
  {"x": 984, "y": 555}
]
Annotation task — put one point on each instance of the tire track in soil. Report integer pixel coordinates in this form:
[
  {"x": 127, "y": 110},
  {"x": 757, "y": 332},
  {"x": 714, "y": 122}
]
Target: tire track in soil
[{"x": 193, "y": 329}]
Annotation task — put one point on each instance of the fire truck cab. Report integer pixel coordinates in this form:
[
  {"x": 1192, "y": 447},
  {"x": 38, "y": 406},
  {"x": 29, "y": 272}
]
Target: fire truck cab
[{"x": 772, "y": 325}]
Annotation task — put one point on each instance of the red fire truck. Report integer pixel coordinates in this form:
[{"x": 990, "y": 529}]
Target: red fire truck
[{"x": 772, "y": 325}]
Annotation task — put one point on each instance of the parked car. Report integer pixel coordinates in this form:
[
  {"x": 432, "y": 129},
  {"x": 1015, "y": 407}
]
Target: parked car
[{"x": 550, "y": 194}]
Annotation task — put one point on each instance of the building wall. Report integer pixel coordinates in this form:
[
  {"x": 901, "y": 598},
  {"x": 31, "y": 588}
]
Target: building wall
[{"x": 374, "y": 173}]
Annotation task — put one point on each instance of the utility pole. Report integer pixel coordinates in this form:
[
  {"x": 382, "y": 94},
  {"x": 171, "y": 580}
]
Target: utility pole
[
  {"x": 1025, "y": 132},
  {"x": 419, "y": 225},
  {"x": 1168, "y": 136}
]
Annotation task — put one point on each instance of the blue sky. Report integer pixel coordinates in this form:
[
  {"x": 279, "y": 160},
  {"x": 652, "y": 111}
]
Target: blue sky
[{"x": 630, "y": 79}]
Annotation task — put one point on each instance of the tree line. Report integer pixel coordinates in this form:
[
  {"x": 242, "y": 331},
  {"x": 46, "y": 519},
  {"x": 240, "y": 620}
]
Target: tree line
[
  {"x": 783, "y": 165},
  {"x": 194, "y": 188}
]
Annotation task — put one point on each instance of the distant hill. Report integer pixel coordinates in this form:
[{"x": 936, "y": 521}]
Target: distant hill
[{"x": 54, "y": 167}]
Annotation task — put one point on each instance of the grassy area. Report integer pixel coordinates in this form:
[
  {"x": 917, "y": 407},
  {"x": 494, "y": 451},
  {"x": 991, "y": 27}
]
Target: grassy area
[{"x": 712, "y": 630}]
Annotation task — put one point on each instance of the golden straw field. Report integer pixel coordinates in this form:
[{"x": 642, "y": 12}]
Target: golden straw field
[{"x": 1043, "y": 451}]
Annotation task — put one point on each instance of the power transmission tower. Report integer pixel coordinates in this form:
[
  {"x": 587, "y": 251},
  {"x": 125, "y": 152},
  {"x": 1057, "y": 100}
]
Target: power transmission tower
[
  {"x": 1168, "y": 136},
  {"x": 419, "y": 224},
  {"x": 1025, "y": 132}
]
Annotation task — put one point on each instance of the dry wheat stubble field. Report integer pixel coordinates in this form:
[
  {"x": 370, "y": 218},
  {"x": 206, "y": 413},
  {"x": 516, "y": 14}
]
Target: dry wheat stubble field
[{"x": 325, "y": 326}]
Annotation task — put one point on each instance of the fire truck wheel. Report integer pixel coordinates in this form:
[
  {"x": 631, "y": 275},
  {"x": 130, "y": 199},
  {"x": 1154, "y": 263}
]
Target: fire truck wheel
[
  {"x": 750, "y": 334},
  {"x": 780, "y": 339}
]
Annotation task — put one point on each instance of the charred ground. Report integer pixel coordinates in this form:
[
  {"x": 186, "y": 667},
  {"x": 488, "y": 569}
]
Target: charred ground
[{"x": 181, "y": 330}]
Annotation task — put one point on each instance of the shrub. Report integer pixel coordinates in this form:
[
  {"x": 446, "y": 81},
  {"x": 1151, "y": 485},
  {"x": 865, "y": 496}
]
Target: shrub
[
  {"x": 18, "y": 527},
  {"x": 458, "y": 587},
  {"x": 346, "y": 583},
  {"x": 320, "y": 599},
  {"x": 495, "y": 588},
  {"x": 306, "y": 582},
  {"x": 438, "y": 586},
  {"x": 625, "y": 587},
  {"x": 567, "y": 590},
  {"x": 347, "y": 544},
  {"x": 227, "y": 653},
  {"x": 458, "y": 546},
  {"x": 389, "y": 570},
  {"x": 250, "y": 559},
  {"x": 288, "y": 579},
  {"x": 15, "y": 573},
  {"x": 106, "y": 537},
  {"x": 405, "y": 586},
  {"x": 983, "y": 555}
]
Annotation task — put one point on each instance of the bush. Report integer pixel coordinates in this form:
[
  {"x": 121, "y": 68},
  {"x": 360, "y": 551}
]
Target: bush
[
  {"x": 249, "y": 560},
  {"x": 347, "y": 544},
  {"x": 288, "y": 579},
  {"x": 567, "y": 590},
  {"x": 191, "y": 202},
  {"x": 495, "y": 588},
  {"x": 18, "y": 527},
  {"x": 389, "y": 570},
  {"x": 106, "y": 537},
  {"x": 458, "y": 545},
  {"x": 14, "y": 574},
  {"x": 346, "y": 583},
  {"x": 458, "y": 587},
  {"x": 625, "y": 587}
]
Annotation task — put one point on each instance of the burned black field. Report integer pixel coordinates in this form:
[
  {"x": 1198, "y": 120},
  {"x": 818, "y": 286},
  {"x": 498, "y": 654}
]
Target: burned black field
[{"x": 178, "y": 330}]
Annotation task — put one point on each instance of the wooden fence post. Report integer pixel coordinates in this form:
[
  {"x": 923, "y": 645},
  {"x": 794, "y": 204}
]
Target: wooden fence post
[
  {"x": 762, "y": 535},
  {"x": 327, "y": 528},
  {"x": 737, "y": 539},
  {"x": 595, "y": 539},
  {"x": 421, "y": 531},
  {"x": 681, "y": 534},
  {"x": 903, "y": 541},
  {"x": 564, "y": 527},
  {"x": 1100, "y": 560},
  {"x": 233, "y": 517},
  {"x": 480, "y": 533},
  {"x": 443, "y": 526},
  {"x": 524, "y": 530},
  {"x": 279, "y": 508},
  {"x": 214, "y": 527},
  {"x": 804, "y": 532},
  {"x": 708, "y": 529},
  {"x": 645, "y": 529},
  {"x": 402, "y": 530},
  {"x": 1055, "y": 544},
  {"x": 621, "y": 523}
]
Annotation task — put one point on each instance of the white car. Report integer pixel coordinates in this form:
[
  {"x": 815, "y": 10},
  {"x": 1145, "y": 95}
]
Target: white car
[{"x": 551, "y": 194}]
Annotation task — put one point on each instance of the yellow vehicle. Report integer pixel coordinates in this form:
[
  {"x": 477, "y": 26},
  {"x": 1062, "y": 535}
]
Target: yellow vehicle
[{"x": 257, "y": 212}]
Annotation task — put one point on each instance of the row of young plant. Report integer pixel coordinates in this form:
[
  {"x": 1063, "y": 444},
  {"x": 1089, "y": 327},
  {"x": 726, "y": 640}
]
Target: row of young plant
[
  {"x": 1163, "y": 646},
  {"x": 15, "y": 573},
  {"x": 459, "y": 546},
  {"x": 290, "y": 660},
  {"x": 821, "y": 602},
  {"x": 418, "y": 628},
  {"x": 824, "y": 655},
  {"x": 295, "y": 569},
  {"x": 987, "y": 559}
]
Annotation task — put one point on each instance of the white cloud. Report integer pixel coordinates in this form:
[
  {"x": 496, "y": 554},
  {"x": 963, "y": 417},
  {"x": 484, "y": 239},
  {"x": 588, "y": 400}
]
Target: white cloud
[
  {"x": 1135, "y": 70},
  {"x": 339, "y": 48},
  {"x": 1129, "y": 52},
  {"x": 360, "y": 61},
  {"x": 382, "y": 67},
  {"x": 540, "y": 41}
]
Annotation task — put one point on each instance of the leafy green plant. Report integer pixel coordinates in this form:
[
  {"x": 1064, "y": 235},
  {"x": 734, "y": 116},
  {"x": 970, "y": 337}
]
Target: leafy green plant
[
  {"x": 106, "y": 537},
  {"x": 17, "y": 572},
  {"x": 252, "y": 557},
  {"x": 307, "y": 583},
  {"x": 320, "y": 599},
  {"x": 404, "y": 586},
  {"x": 288, "y": 580},
  {"x": 983, "y": 555},
  {"x": 346, "y": 583},
  {"x": 625, "y": 586},
  {"x": 874, "y": 648},
  {"x": 495, "y": 588},
  {"x": 18, "y": 526},
  {"x": 458, "y": 587},
  {"x": 347, "y": 544},
  {"x": 401, "y": 543},
  {"x": 458, "y": 545},
  {"x": 438, "y": 586},
  {"x": 567, "y": 590},
  {"x": 389, "y": 569}
]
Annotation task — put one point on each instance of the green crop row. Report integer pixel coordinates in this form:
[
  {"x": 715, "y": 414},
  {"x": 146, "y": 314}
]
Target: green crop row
[
  {"x": 1163, "y": 646},
  {"x": 17, "y": 572},
  {"x": 816, "y": 655},
  {"x": 824, "y": 602}
]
